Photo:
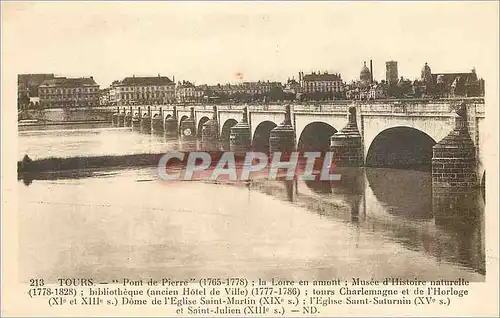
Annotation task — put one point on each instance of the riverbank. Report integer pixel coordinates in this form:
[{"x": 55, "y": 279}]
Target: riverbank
[
  {"x": 27, "y": 165},
  {"x": 32, "y": 123}
]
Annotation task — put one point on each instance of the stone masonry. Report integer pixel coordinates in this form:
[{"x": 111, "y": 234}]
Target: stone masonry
[
  {"x": 346, "y": 144},
  {"x": 454, "y": 157}
]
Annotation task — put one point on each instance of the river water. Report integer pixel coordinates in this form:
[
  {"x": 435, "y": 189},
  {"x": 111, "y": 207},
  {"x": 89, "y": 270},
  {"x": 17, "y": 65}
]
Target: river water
[{"x": 111, "y": 224}]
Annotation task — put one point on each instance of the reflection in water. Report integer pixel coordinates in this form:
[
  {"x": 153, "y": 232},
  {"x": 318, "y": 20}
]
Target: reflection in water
[
  {"x": 350, "y": 189},
  {"x": 225, "y": 144},
  {"x": 406, "y": 194},
  {"x": 188, "y": 144},
  {"x": 320, "y": 186},
  {"x": 448, "y": 226},
  {"x": 291, "y": 189},
  {"x": 372, "y": 223},
  {"x": 459, "y": 216}
]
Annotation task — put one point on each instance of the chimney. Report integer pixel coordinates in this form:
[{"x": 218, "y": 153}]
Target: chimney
[
  {"x": 371, "y": 71},
  {"x": 173, "y": 78}
]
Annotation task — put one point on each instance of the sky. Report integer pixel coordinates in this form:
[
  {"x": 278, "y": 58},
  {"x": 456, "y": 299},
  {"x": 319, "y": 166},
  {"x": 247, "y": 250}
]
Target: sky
[{"x": 211, "y": 42}]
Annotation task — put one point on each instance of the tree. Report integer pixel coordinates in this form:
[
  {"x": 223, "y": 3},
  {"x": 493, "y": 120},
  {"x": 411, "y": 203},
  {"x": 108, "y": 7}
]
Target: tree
[
  {"x": 23, "y": 101},
  {"x": 289, "y": 96},
  {"x": 275, "y": 94}
]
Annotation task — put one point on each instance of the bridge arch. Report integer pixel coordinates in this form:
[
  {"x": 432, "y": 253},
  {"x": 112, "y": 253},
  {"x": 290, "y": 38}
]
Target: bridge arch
[
  {"x": 401, "y": 147},
  {"x": 260, "y": 141},
  {"x": 168, "y": 116},
  {"x": 226, "y": 130},
  {"x": 183, "y": 118},
  {"x": 201, "y": 122},
  {"x": 316, "y": 137}
]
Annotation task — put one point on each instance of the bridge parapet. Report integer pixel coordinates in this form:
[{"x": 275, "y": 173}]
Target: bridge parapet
[
  {"x": 322, "y": 108},
  {"x": 385, "y": 105},
  {"x": 407, "y": 109}
]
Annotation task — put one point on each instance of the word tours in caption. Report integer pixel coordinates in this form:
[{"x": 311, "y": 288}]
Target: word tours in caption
[{"x": 240, "y": 296}]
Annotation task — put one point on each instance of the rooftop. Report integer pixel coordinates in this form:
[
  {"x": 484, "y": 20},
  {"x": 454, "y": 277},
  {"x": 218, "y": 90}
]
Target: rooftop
[
  {"x": 33, "y": 79},
  {"x": 322, "y": 77},
  {"x": 69, "y": 82},
  {"x": 146, "y": 81},
  {"x": 450, "y": 77}
]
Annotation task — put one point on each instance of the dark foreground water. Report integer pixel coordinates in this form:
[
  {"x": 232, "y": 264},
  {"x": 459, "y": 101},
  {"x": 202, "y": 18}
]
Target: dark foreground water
[{"x": 115, "y": 223}]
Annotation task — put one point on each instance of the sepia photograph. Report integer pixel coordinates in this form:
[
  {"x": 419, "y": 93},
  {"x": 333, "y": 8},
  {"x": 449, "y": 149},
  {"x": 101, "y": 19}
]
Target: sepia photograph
[{"x": 335, "y": 146}]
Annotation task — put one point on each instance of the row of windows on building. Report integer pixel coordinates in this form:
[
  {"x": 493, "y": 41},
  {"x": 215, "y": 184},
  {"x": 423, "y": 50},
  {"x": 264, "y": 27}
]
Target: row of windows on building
[
  {"x": 67, "y": 95},
  {"x": 248, "y": 91},
  {"x": 143, "y": 96},
  {"x": 82, "y": 97},
  {"x": 146, "y": 88},
  {"x": 49, "y": 91},
  {"x": 65, "y": 103},
  {"x": 315, "y": 84},
  {"x": 323, "y": 89}
]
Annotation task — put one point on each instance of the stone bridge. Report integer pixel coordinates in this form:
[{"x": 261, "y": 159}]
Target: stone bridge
[{"x": 392, "y": 133}]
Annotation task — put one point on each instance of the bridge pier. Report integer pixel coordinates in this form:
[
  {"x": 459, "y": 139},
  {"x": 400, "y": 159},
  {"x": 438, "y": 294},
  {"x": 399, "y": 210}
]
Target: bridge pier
[
  {"x": 136, "y": 120},
  {"x": 282, "y": 138},
  {"x": 114, "y": 117},
  {"x": 346, "y": 145},
  {"x": 157, "y": 122},
  {"x": 210, "y": 132},
  {"x": 171, "y": 127},
  {"x": 188, "y": 127},
  {"x": 146, "y": 122},
  {"x": 128, "y": 118},
  {"x": 454, "y": 157},
  {"x": 351, "y": 188},
  {"x": 239, "y": 137},
  {"x": 121, "y": 118}
]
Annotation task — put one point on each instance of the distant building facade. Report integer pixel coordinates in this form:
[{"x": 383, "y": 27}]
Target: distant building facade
[
  {"x": 321, "y": 82},
  {"x": 251, "y": 88},
  {"x": 151, "y": 90},
  {"x": 27, "y": 87},
  {"x": 245, "y": 91},
  {"x": 365, "y": 88},
  {"x": 113, "y": 89},
  {"x": 185, "y": 92},
  {"x": 104, "y": 96},
  {"x": 377, "y": 91},
  {"x": 458, "y": 84},
  {"x": 366, "y": 74},
  {"x": 292, "y": 87},
  {"x": 448, "y": 85},
  {"x": 69, "y": 92},
  {"x": 391, "y": 72}
]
